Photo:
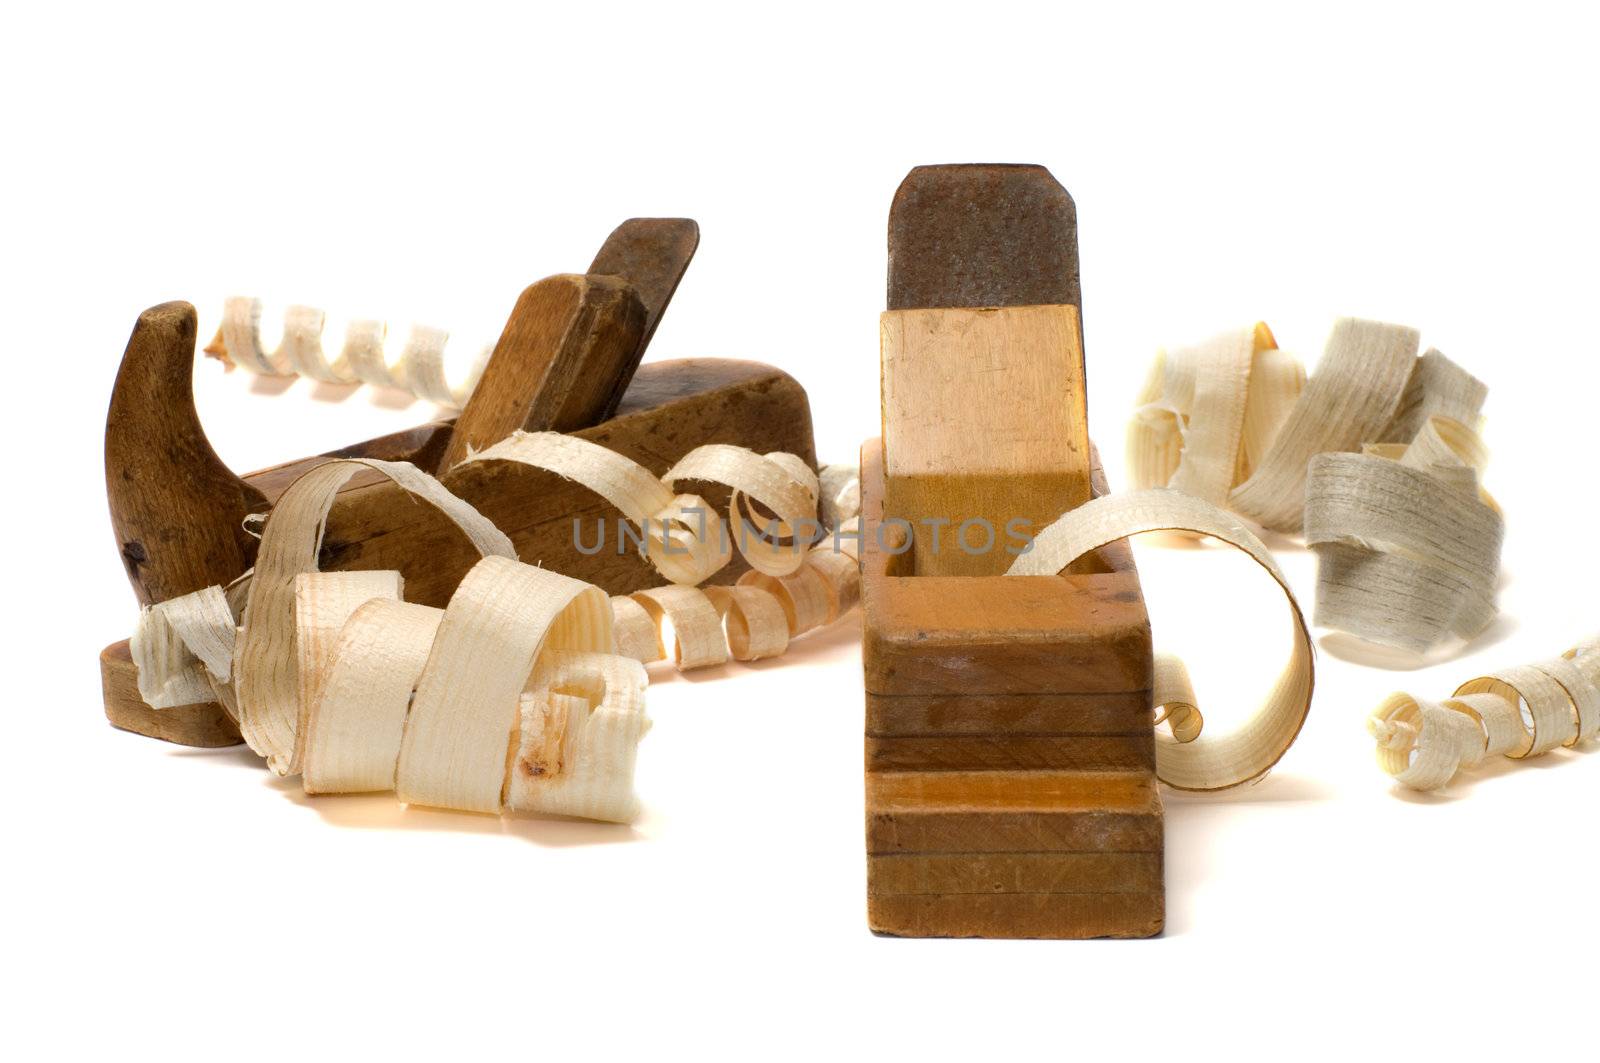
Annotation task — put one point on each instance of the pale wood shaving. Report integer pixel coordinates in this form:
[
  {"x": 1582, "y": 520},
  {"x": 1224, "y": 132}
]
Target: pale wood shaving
[
  {"x": 466, "y": 709},
  {"x": 1376, "y": 462},
  {"x": 352, "y": 731},
  {"x": 810, "y": 584},
  {"x": 1424, "y": 744},
  {"x": 183, "y": 648},
  {"x": 1189, "y": 759},
  {"x": 1406, "y": 557},
  {"x": 581, "y": 724},
  {"x": 338, "y": 680},
  {"x": 266, "y": 661},
  {"x": 513, "y": 697},
  {"x": 366, "y": 353},
  {"x": 323, "y": 603},
  {"x": 1349, "y": 401}
]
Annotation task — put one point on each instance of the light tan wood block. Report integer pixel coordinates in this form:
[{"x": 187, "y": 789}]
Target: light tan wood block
[{"x": 983, "y": 417}]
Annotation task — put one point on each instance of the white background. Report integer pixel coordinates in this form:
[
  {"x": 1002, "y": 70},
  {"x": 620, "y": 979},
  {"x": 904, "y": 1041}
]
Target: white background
[{"x": 1435, "y": 168}]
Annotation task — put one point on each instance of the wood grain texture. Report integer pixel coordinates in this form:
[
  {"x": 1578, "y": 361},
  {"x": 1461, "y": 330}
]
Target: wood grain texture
[
  {"x": 1012, "y": 811},
  {"x": 984, "y": 419},
  {"x": 958, "y": 873},
  {"x": 562, "y": 362},
  {"x": 891, "y": 715},
  {"x": 1018, "y": 915},
  {"x": 982, "y": 234},
  {"x": 996, "y": 635},
  {"x": 152, "y": 428},
  {"x": 652, "y": 255},
  {"x": 1014, "y": 752},
  {"x": 189, "y": 725}
]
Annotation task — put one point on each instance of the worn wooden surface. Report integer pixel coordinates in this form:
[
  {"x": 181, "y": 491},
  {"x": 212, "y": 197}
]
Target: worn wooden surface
[
  {"x": 959, "y": 713},
  {"x": 1034, "y": 853},
  {"x": 984, "y": 421},
  {"x": 1018, "y": 915},
  {"x": 982, "y": 234},
  {"x": 1010, "y": 783},
  {"x": 1016, "y": 811},
  {"x": 932, "y": 636},
  {"x": 152, "y": 429},
  {"x": 651, "y": 254},
  {"x": 1008, "y": 714},
  {"x": 561, "y": 363},
  {"x": 204, "y": 725},
  {"x": 1007, "y": 752},
  {"x": 670, "y": 408},
  {"x": 933, "y": 874}
]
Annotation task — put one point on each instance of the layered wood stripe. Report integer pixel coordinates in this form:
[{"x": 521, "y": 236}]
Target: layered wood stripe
[
  {"x": 1134, "y": 752},
  {"x": 1012, "y": 811},
  {"x": 958, "y": 873},
  {"x": 1018, "y": 915},
  {"x": 891, "y": 715}
]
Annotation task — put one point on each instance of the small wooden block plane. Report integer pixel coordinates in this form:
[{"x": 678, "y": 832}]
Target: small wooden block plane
[
  {"x": 1010, "y": 756},
  {"x": 568, "y": 360}
]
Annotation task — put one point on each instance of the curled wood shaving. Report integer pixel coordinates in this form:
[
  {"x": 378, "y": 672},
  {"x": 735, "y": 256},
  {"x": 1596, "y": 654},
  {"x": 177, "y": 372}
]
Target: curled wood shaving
[
  {"x": 1189, "y": 758},
  {"x": 367, "y": 352},
  {"x": 511, "y": 697},
  {"x": 1517, "y": 712},
  {"x": 1376, "y": 461},
  {"x": 796, "y": 585}
]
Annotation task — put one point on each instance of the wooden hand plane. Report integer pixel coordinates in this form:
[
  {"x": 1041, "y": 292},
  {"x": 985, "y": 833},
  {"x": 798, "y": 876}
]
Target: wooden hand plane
[
  {"x": 568, "y": 360},
  {"x": 1010, "y": 757}
]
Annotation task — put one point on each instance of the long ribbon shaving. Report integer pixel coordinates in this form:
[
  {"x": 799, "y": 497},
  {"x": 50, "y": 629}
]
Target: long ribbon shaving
[{"x": 1190, "y": 759}]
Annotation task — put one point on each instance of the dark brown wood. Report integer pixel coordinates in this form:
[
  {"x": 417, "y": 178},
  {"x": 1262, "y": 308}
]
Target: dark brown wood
[
  {"x": 562, "y": 362},
  {"x": 1019, "y": 915},
  {"x": 189, "y": 725},
  {"x": 960, "y": 713},
  {"x": 1011, "y": 752},
  {"x": 983, "y": 234},
  {"x": 177, "y": 511},
  {"x": 652, "y": 254},
  {"x": 935, "y": 874}
]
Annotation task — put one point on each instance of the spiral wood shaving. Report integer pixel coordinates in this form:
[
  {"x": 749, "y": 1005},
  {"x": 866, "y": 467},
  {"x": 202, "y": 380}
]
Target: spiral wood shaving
[
  {"x": 366, "y": 354},
  {"x": 1516, "y": 712}
]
